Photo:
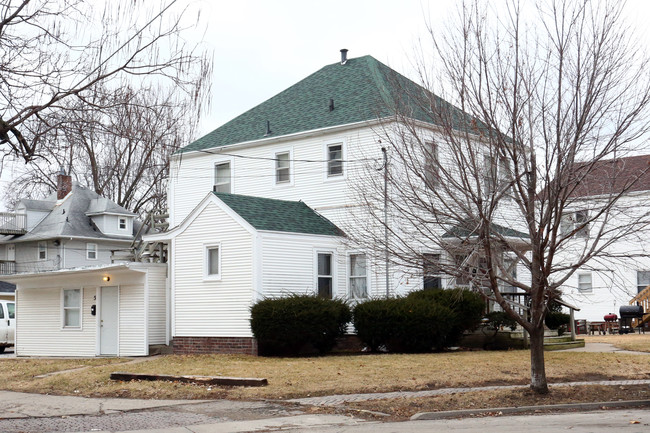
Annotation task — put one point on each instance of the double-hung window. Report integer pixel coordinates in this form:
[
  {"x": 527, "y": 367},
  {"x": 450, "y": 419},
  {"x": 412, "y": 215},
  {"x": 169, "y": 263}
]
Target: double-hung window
[
  {"x": 335, "y": 160},
  {"x": 431, "y": 272},
  {"x": 222, "y": 177},
  {"x": 490, "y": 174},
  {"x": 575, "y": 222},
  {"x": 584, "y": 283},
  {"x": 121, "y": 223},
  {"x": 325, "y": 277},
  {"x": 91, "y": 251},
  {"x": 642, "y": 280},
  {"x": 72, "y": 308},
  {"x": 42, "y": 251},
  {"x": 358, "y": 276},
  {"x": 432, "y": 165},
  {"x": 282, "y": 167}
]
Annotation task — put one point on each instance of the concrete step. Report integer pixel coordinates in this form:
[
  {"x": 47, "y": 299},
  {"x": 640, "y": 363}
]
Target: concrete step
[{"x": 550, "y": 346}]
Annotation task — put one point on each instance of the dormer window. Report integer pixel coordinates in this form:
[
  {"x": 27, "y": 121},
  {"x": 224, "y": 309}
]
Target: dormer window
[{"x": 122, "y": 223}]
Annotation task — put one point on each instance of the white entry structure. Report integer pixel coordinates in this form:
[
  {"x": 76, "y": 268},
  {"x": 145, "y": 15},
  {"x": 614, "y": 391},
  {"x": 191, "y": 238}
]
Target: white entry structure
[{"x": 115, "y": 310}]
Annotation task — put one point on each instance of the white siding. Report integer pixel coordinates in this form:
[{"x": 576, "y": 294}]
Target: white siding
[
  {"x": 209, "y": 308},
  {"x": 289, "y": 264},
  {"x": 74, "y": 252},
  {"x": 39, "y": 327},
  {"x": 132, "y": 321},
  {"x": 157, "y": 282}
]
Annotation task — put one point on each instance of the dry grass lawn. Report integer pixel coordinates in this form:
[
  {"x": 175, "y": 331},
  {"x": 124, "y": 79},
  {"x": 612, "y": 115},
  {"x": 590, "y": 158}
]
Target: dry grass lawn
[
  {"x": 636, "y": 342},
  {"x": 299, "y": 377}
]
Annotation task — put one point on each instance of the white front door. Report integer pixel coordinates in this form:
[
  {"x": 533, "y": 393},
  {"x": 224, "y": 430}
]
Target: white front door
[{"x": 108, "y": 307}]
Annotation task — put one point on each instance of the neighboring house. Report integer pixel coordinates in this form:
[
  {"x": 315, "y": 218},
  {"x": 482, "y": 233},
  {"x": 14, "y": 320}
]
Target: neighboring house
[
  {"x": 311, "y": 146},
  {"x": 603, "y": 285},
  {"x": 71, "y": 298},
  {"x": 72, "y": 228},
  {"x": 7, "y": 291}
]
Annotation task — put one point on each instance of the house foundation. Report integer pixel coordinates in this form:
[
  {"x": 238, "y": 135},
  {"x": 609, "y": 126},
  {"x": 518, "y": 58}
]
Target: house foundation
[{"x": 213, "y": 345}]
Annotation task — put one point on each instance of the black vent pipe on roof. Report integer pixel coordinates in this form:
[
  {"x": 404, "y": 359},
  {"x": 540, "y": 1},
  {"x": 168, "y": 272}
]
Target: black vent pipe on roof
[
  {"x": 331, "y": 104},
  {"x": 268, "y": 128},
  {"x": 344, "y": 56}
]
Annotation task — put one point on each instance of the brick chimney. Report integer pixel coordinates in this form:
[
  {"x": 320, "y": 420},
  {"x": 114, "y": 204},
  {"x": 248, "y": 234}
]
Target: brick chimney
[{"x": 63, "y": 185}]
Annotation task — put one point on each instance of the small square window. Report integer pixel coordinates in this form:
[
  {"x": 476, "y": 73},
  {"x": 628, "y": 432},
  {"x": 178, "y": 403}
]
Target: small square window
[
  {"x": 91, "y": 251},
  {"x": 584, "y": 283},
  {"x": 282, "y": 167},
  {"x": 42, "y": 251},
  {"x": 121, "y": 223},
  {"x": 335, "y": 160}
]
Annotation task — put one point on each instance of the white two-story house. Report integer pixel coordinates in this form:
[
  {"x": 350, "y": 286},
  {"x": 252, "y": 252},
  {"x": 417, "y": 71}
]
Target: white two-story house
[{"x": 309, "y": 148}]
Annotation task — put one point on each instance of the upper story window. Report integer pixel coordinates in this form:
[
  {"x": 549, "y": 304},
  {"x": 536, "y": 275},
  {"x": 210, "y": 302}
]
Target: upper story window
[
  {"x": 489, "y": 174},
  {"x": 642, "y": 280},
  {"x": 584, "y": 283},
  {"x": 358, "y": 276},
  {"x": 282, "y": 167},
  {"x": 91, "y": 251},
  {"x": 72, "y": 308},
  {"x": 335, "y": 159},
  {"x": 432, "y": 164},
  {"x": 432, "y": 278},
  {"x": 325, "y": 276},
  {"x": 122, "y": 223},
  {"x": 222, "y": 177},
  {"x": 576, "y": 223},
  {"x": 42, "y": 251}
]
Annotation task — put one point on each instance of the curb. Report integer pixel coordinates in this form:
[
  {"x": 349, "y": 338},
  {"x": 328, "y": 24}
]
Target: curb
[{"x": 527, "y": 409}]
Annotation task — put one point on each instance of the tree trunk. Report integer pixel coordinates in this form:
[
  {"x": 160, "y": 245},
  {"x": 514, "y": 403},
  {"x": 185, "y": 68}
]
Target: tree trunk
[{"x": 537, "y": 370}]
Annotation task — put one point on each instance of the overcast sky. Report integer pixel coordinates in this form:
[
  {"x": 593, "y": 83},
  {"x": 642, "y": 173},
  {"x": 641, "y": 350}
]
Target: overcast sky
[{"x": 262, "y": 47}]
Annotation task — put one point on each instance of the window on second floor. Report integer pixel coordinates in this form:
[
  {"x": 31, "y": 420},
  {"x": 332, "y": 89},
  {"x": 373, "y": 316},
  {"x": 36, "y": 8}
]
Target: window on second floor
[
  {"x": 91, "y": 251},
  {"x": 282, "y": 167},
  {"x": 576, "y": 223},
  {"x": 431, "y": 164},
  {"x": 584, "y": 283},
  {"x": 122, "y": 223},
  {"x": 335, "y": 159},
  {"x": 642, "y": 280},
  {"x": 489, "y": 174},
  {"x": 222, "y": 177},
  {"x": 42, "y": 251}
]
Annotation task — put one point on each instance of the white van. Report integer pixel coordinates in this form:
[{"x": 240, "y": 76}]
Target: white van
[{"x": 7, "y": 324}]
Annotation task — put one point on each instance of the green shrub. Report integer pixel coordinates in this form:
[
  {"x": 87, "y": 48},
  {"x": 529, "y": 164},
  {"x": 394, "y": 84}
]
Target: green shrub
[
  {"x": 497, "y": 319},
  {"x": 468, "y": 308},
  {"x": 555, "y": 320},
  {"x": 293, "y": 324},
  {"x": 422, "y": 325},
  {"x": 375, "y": 321}
]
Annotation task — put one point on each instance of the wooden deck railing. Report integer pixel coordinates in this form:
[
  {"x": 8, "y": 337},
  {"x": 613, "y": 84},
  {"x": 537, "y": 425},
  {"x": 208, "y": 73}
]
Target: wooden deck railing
[
  {"x": 13, "y": 223},
  {"x": 643, "y": 299}
]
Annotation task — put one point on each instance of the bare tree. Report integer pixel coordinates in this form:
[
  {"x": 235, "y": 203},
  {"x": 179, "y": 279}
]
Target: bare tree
[
  {"x": 118, "y": 145},
  {"x": 547, "y": 102},
  {"x": 54, "y": 52}
]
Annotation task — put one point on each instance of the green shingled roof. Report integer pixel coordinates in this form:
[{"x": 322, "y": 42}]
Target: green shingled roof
[
  {"x": 279, "y": 215},
  {"x": 362, "y": 89}
]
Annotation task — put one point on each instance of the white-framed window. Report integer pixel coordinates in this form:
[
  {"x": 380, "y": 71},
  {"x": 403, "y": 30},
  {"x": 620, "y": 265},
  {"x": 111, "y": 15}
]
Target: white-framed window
[
  {"x": 42, "y": 250},
  {"x": 432, "y": 164},
  {"x": 642, "y": 280},
  {"x": 91, "y": 251},
  {"x": 223, "y": 177},
  {"x": 576, "y": 220},
  {"x": 283, "y": 167},
  {"x": 71, "y": 308},
  {"x": 431, "y": 273},
  {"x": 122, "y": 223},
  {"x": 584, "y": 282},
  {"x": 490, "y": 173},
  {"x": 335, "y": 159},
  {"x": 212, "y": 262},
  {"x": 358, "y": 276},
  {"x": 325, "y": 274}
]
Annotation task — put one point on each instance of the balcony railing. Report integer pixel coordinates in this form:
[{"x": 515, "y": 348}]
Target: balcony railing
[
  {"x": 13, "y": 223},
  {"x": 7, "y": 267}
]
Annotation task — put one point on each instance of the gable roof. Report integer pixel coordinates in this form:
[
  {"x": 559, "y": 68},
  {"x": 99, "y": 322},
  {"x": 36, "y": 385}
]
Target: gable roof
[
  {"x": 68, "y": 218},
  {"x": 362, "y": 89},
  {"x": 612, "y": 176},
  {"x": 7, "y": 287},
  {"x": 279, "y": 215}
]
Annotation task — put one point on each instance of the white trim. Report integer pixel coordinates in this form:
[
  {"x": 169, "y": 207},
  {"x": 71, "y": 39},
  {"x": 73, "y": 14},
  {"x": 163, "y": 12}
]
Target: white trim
[
  {"x": 344, "y": 149},
  {"x": 81, "y": 309},
  {"x": 206, "y": 261},
  {"x": 38, "y": 251},
  {"x": 289, "y": 182},
  {"x": 218, "y": 161},
  {"x": 146, "y": 315},
  {"x": 591, "y": 283},
  {"x": 119, "y": 223},
  {"x": 258, "y": 289},
  {"x": 88, "y": 251},
  {"x": 334, "y": 269},
  {"x": 348, "y": 274}
]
